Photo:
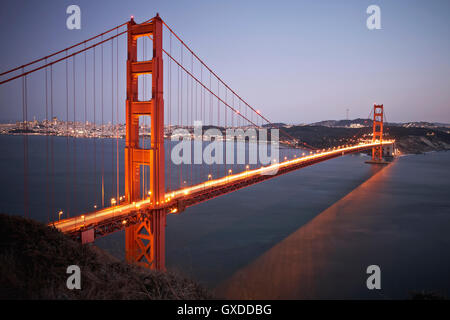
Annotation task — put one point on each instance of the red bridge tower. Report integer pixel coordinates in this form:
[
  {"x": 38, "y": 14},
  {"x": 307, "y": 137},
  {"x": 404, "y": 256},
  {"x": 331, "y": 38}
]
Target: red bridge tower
[
  {"x": 144, "y": 242},
  {"x": 377, "y": 152}
]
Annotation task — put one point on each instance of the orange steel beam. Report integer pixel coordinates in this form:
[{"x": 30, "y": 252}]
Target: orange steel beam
[
  {"x": 377, "y": 152},
  {"x": 144, "y": 241},
  {"x": 116, "y": 218}
]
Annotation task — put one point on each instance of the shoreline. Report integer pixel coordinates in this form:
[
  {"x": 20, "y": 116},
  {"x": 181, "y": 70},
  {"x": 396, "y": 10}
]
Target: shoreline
[{"x": 417, "y": 151}]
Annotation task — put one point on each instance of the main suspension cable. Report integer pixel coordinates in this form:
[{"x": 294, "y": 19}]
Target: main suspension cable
[{"x": 63, "y": 50}]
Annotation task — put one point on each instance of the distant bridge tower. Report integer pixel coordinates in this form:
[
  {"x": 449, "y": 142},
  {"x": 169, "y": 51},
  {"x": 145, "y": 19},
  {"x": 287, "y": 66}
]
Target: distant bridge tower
[
  {"x": 377, "y": 152},
  {"x": 144, "y": 242}
]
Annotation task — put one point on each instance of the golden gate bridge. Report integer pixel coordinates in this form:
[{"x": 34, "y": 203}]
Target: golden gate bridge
[{"x": 183, "y": 89}]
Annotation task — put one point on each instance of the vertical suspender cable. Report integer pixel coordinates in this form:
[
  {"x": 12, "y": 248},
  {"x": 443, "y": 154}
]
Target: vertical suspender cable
[
  {"x": 192, "y": 110},
  {"x": 67, "y": 139},
  {"x": 112, "y": 119},
  {"x": 51, "y": 145},
  {"x": 102, "y": 138},
  {"x": 178, "y": 121},
  {"x": 170, "y": 111},
  {"x": 94, "y": 95},
  {"x": 210, "y": 115},
  {"x": 196, "y": 101},
  {"x": 85, "y": 126},
  {"x": 196, "y": 119},
  {"x": 25, "y": 143},
  {"x": 226, "y": 125},
  {"x": 117, "y": 117},
  {"x": 218, "y": 122},
  {"x": 181, "y": 97},
  {"x": 210, "y": 103},
  {"x": 47, "y": 194},
  {"x": 74, "y": 182}
]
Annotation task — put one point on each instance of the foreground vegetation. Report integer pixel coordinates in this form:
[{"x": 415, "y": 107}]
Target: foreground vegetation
[{"x": 34, "y": 259}]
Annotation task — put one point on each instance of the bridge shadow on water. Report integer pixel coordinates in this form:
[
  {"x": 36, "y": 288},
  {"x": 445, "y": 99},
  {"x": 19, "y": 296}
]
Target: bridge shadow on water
[
  {"x": 398, "y": 219},
  {"x": 298, "y": 265}
]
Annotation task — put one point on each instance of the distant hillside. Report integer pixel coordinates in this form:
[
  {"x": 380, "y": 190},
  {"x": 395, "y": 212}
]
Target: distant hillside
[
  {"x": 343, "y": 123},
  {"x": 368, "y": 122},
  {"x": 34, "y": 259},
  {"x": 274, "y": 125},
  {"x": 422, "y": 124},
  {"x": 419, "y": 139},
  {"x": 408, "y": 139}
]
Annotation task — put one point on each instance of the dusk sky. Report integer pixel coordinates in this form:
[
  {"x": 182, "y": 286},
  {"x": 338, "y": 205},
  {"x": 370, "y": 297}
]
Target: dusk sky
[{"x": 296, "y": 61}]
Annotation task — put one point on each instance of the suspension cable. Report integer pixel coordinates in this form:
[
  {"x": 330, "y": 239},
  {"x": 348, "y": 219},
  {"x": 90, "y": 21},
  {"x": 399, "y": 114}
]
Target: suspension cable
[
  {"x": 61, "y": 51},
  {"x": 239, "y": 97},
  {"x": 198, "y": 81},
  {"x": 63, "y": 58}
]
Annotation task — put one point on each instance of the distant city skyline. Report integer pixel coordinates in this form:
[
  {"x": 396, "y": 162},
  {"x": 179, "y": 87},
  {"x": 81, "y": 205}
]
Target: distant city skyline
[{"x": 296, "y": 61}]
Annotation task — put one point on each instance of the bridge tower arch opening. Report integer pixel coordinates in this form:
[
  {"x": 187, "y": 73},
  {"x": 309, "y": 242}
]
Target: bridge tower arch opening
[{"x": 145, "y": 241}]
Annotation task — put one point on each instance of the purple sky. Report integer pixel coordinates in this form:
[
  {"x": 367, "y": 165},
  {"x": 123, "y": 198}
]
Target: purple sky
[{"x": 296, "y": 61}]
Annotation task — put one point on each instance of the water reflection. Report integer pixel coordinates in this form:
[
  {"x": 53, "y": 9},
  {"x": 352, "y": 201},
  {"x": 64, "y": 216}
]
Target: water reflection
[
  {"x": 307, "y": 259},
  {"x": 398, "y": 219}
]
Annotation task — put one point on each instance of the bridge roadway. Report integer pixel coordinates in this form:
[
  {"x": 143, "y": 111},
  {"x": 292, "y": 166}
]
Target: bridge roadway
[{"x": 117, "y": 217}]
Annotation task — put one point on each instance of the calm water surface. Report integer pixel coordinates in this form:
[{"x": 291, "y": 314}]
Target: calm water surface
[{"x": 307, "y": 234}]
